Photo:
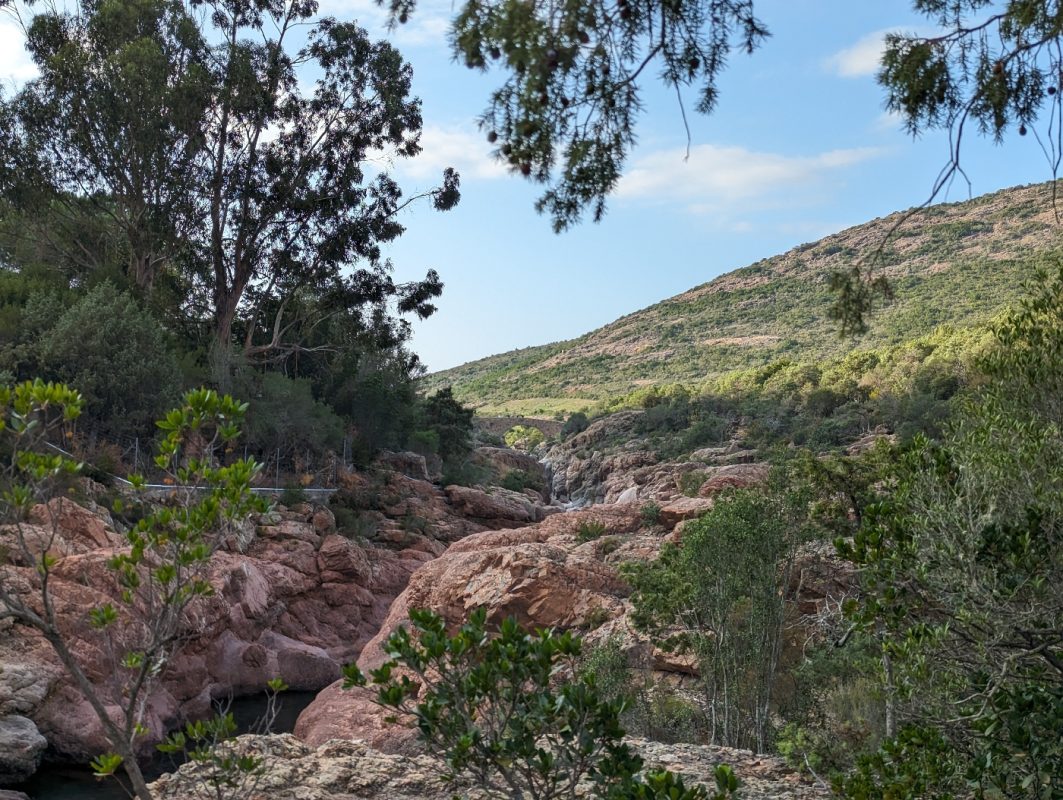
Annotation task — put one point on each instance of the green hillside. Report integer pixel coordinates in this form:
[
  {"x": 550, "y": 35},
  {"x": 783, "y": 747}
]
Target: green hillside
[{"x": 957, "y": 263}]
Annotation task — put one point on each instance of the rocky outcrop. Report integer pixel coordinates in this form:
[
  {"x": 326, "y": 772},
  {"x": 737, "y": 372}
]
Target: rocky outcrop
[
  {"x": 497, "y": 507},
  {"x": 298, "y": 602},
  {"x": 545, "y": 575},
  {"x": 21, "y": 748},
  {"x": 296, "y": 595},
  {"x": 609, "y": 463},
  {"x": 344, "y": 770}
]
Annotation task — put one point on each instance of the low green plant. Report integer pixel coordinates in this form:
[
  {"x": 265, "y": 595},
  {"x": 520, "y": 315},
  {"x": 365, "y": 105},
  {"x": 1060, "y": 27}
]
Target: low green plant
[
  {"x": 496, "y": 711},
  {"x": 524, "y": 437},
  {"x": 650, "y": 513},
  {"x": 691, "y": 482},
  {"x": 224, "y": 768},
  {"x": 576, "y": 423},
  {"x": 292, "y": 495},
  {"x": 518, "y": 480},
  {"x": 413, "y": 523},
  {"x": 595, "y": 618},
  {"x": 590, "y": 530}
]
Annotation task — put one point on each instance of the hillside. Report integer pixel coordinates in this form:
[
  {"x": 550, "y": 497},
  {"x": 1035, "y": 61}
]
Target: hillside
[{"x": 956, "y": 263}]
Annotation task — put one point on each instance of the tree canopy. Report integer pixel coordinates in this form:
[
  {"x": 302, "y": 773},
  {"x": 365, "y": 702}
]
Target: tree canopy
[{"x": 190, "y": 131}]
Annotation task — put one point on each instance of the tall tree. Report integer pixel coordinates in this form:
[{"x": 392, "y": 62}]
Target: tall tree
[
  {"x": 113, "y": 125},
  {"x": 192, "y": 127}
]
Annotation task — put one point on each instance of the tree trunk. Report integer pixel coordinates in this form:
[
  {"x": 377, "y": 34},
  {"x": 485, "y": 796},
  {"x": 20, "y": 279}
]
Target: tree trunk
[
  {"x": 142, "y": 267},
  {"x": 891, "y": 712},
  {"x": 136, "y": 779}
]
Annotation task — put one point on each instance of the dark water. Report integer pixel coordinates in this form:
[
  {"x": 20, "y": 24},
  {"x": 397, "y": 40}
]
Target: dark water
[{"x": 65, "y": 782}]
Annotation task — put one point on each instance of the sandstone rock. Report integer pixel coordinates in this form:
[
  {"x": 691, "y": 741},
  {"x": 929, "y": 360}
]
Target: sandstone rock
[
  {"x": 338, "y": 713},
  {"x": 21, "y": 747},
  {"x": 349, "y": 770},
  {"x": 735, "y": 476},
  {"x": 504, "y": 460},
  {"x": 684, "y": 508},
  {"x": 9, "y": 794},
  {"x": 298, "y": 602},
  {"x": 412, "y": 465},
  {"x": 498, "y": 506},
  {"x": 629, "y": 495},
  {"x": 23, "y": 687}
]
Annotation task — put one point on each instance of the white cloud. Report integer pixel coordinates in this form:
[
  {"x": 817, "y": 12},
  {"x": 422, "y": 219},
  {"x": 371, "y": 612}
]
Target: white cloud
[
  {"x": 717, "y": 178},
  {"x": 15, "y": 63},
  {"x": 860, "y": 59},
  {"x": 464, "y": 149},
  {"x": 428, "y": 24}
]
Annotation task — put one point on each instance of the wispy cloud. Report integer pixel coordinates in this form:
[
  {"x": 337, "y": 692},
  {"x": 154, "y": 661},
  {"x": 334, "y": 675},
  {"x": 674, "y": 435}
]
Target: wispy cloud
[
  {"x": 15, "y": 64},
  {"x": 717, "y": 178},
  {"x": 861, "y": 58},
  {"x": 460, "y": 147},
  {"x": 427, "y": 26}
]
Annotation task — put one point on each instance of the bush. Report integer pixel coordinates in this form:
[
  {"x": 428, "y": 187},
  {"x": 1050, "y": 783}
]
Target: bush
[
  {"x": 691, "y": 482},
  {"x": 523, "y": 437},
  {"x": 284, "y": 417},
  {"x": 492, "y": 707},
  {"x": 518, "y": 480},
  {"x": 118, "y": 356},
  {"x": 590, "y": 530},
  {"x": 292, "y": 495},
  {"x": 576, "y": 423},
  {"x": 650, "y": 514}
]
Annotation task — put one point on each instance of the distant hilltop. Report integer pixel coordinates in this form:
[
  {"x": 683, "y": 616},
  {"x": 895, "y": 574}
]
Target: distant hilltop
[{"x": 954, "y": 263}]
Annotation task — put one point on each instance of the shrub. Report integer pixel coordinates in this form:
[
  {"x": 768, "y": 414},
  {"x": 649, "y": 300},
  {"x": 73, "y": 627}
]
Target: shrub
[
  {"x": 590, "y": 530},
  {"x": 492, "y": 708},
  {"x": 119, "y": 357},
  {"x": 524, "y": 437},
  {"x": 650, "y": 514},
  {"x": 576, "y": 423},
  {"x": 518, "y": 480},
  {"x": 284, "y": 417},
  {"x": 691, "y": 482},
  {"x": 292, "y": 495}
]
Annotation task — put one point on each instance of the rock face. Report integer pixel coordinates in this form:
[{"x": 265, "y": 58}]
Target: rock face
[
  {"x": 344, "y": 770},
  {"x": 545, "y": 575},
  {"x": 21, "y": 748},
  {"x": 607, "y": 464},
  {"x": 294, "y": 597}
]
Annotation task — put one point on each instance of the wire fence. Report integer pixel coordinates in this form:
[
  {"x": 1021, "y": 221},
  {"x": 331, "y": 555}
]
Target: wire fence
[{"x": 119, "y": 457}]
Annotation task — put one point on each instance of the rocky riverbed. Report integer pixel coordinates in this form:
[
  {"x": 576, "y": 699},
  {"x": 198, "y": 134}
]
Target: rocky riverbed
[{"x": 296, "y": 596}]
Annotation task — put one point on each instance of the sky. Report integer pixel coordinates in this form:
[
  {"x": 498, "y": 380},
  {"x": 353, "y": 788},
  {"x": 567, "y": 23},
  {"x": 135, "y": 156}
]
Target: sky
[{"x": 799, "y": 147}]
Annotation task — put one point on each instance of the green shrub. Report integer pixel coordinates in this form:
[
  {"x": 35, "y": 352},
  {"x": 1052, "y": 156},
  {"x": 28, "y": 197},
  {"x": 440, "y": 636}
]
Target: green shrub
[
  {"x": 292, "y": 495},
  {"x": 590, "y": 530},
  {"x": 284, "y": 417},
  {"x": 650, "y": 514},
  {"x": 576, "y": 423},
  {"x": 691, "y": 482},
  {"x": 518, "y": 480},
  {"x": 487, "y": 703},
  {"x": 524, "y": 437},
  {"x": 119, "y": 357}
]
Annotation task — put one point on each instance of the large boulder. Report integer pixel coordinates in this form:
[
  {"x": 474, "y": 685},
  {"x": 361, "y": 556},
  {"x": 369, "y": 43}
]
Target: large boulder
[
  {"x": 21, "y": 748},
  {"x": 500, "y": 507}
]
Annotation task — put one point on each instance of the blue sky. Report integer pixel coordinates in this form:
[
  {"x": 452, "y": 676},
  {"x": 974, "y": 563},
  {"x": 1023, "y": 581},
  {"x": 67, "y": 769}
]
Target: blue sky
[{"x": 799, "y": 148}]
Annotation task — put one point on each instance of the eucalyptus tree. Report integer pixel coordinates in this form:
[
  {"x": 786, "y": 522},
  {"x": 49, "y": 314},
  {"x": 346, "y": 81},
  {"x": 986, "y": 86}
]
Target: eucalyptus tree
[{"x": 235, "y": 142}]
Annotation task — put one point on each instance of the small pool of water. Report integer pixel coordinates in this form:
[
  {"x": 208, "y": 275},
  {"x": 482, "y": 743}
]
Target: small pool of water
[{"x": 73, "y": 782}]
